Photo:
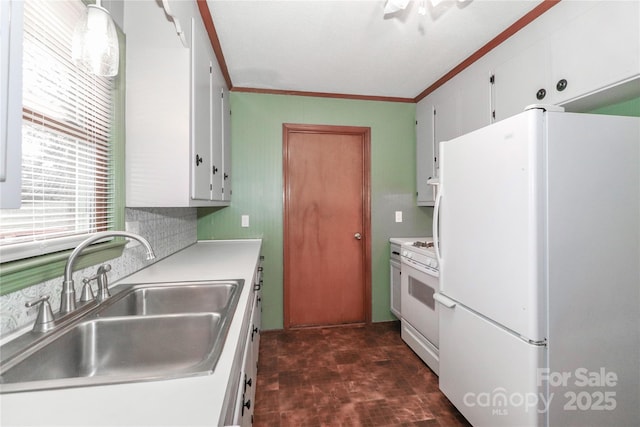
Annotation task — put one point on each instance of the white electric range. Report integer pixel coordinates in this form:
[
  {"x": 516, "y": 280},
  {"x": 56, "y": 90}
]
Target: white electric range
[{"x": 419, "y": 282}]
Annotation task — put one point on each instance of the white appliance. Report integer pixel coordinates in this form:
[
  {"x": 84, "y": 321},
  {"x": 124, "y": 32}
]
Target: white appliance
[
  {"x": 395, "y": 249},
  {"x": 419, "y": 283},
  {"x": 538, "y": 233}
]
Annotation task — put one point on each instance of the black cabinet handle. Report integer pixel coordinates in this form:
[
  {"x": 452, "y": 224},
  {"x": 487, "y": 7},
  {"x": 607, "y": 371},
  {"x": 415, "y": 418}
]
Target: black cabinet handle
[
  {"x": 541, "y": 94},
  {"x": 247, "y": 405},
  {"x": 198, "y": 160},
  {"x": 247, "y": 383},
  {"x": 214, "y": 169},
  {"x": 562, "y": 85}
]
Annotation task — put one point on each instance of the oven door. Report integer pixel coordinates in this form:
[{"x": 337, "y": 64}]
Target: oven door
[{"x": 418, "y": 306}]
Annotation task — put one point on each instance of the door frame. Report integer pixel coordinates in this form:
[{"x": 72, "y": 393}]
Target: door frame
[{"x": 365, "y": 134}]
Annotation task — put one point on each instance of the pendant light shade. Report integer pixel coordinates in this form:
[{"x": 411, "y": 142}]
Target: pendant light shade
[{"x": 95, "y": 42}]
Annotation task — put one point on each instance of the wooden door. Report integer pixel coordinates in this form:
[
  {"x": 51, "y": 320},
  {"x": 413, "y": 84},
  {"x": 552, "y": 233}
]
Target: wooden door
[{"x": 326, "y": 229}]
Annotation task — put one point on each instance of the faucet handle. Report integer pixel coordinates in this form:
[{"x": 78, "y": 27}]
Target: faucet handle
[
  {"x": 87, "y": 291},
  {"x": 44, "y": 320}
]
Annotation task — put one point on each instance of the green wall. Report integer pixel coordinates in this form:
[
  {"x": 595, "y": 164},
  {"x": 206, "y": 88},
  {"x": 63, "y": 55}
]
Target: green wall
[
  {"x": 626, "y": 108},
  {"x": 257, "y": 183}
]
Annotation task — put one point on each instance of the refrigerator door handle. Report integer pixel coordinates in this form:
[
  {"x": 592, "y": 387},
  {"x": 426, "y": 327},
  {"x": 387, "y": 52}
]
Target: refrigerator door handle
[
  {"x": 436, "y": 222},
  {"x": 447, "y": 302}
]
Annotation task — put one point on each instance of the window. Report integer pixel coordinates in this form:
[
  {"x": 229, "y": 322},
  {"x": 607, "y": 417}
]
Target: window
[
  {"x": 79, "y": 119},
  {"x": 67, "y": 154}
]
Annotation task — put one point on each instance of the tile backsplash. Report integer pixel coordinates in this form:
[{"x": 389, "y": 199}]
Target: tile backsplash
[{"x": 167, "y": 229}]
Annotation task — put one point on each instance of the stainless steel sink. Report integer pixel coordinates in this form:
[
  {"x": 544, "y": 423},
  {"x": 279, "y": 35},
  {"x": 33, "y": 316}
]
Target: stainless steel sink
[
  {"x": 170, "y": 299},
  {"x": 144, "y": 332}
]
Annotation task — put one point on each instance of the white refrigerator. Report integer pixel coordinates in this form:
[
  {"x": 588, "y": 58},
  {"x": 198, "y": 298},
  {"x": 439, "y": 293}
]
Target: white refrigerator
[{"x": 537, "y": 225}]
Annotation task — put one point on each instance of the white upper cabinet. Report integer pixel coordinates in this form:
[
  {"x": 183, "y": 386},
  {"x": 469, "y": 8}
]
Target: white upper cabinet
[
  {"x": 10, "y": 103},
  {"x": 201, "y": 117},
  {"x": 173, "y": 111},
  {"x": 450, "y": 111},
  {"x": 577, "y": 54},
  {"x": 226, "y": 145},
  {"x": 598, "y": 49},
  {"x": 425, "y": 167},
  {"x": 520, "y": 81},
  {"x": 473, "y": 99}
]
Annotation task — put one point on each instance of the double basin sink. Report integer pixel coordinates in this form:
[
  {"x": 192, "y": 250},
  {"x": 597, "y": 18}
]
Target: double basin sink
[{"x": 144, "y": 332}]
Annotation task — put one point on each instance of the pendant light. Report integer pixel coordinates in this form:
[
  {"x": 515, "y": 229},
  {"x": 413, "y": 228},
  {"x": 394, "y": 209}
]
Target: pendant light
[{"x": 95, "y": 42}]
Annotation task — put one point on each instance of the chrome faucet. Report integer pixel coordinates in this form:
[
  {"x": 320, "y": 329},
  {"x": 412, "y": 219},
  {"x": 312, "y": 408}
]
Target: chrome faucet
[{"x": 68, "y": 295}]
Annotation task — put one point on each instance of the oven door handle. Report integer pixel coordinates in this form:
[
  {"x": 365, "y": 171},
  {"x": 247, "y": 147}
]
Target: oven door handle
[{"x": 441, "y": 299}]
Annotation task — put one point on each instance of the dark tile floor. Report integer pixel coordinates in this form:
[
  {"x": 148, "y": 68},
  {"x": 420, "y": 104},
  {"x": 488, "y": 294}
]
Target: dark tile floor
[{"x": 347, "y": 376}]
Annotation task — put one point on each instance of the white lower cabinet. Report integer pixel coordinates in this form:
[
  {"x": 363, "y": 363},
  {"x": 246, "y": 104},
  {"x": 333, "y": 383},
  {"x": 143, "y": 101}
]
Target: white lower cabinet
[{"x": 245, "y": 393}]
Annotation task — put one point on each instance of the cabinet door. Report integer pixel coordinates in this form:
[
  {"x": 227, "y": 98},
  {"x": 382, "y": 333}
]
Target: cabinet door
[
  {"x": 255, "y": 337},
  {"x": 216, "y": 139},
  {"x": 226, "y": 145},
  {"x": 200, "y": 115},
  {"x": 396, "y": 307},
  {"x": 249, "y": 378},
  {"x": 424, "y": 152},
  {"x": 473, "y": 100},
  {"x": 521, "y": 80},
  {"x": 445, "y": 119},
  {"x": 596, "y": 50},
  {"x": 10, "y": 103}
]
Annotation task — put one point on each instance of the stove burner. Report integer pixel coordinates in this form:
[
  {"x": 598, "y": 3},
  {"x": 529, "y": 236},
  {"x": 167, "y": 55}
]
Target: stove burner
[{"x": 419, "y": 244}]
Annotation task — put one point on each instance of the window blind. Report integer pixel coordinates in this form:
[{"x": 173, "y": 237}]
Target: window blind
[{"x": 67, "y": 172}]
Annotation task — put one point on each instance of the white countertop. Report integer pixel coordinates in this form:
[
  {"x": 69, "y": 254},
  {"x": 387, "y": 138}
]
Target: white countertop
[
  {"x": 191, "y": 401},
  {"x": 404, "y": 240}
]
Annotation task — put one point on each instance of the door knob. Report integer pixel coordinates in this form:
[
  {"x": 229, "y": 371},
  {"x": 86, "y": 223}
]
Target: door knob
[{"x": 358, "y": 236}]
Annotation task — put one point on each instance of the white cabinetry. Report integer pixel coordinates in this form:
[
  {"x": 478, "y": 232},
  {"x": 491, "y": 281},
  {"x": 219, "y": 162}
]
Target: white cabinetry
[
  {"x": 425, "y": 165},
  {"x": 10, "y": 103},
  {"x": 246, "y": 393},
  {"x": 518, "y": 80},
  {"x": 435, "y": 122},
  {"x": 241, "y": 393},
  {"x": 174, "y": 110},
  {"x": 597, "y": 48},
  {"x": 580, "y": 55},
  {"x": 226, "y": 145},
  {"x": 395, "y": 277},
  {"x": 448, "y": 112}
]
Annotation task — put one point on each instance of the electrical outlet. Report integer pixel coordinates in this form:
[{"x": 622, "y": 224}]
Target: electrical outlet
[
  {"x": 245, "y": 220},
  {"x": 398, "y": 216}
]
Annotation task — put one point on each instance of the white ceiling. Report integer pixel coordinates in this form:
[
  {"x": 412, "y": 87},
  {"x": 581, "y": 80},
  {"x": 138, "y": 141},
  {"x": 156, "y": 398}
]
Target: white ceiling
[{"x": 351, "y": 47}]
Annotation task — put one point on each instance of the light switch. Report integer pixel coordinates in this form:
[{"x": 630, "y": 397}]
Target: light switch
[
  {"x": 398, "y": 216},
  {"x": 245, "y": 220}
]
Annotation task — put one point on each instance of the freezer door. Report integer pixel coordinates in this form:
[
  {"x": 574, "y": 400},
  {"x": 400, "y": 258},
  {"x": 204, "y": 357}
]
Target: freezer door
[
  {"x": 490, "y": 227},
  {"x": 489, "y": 374}
]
